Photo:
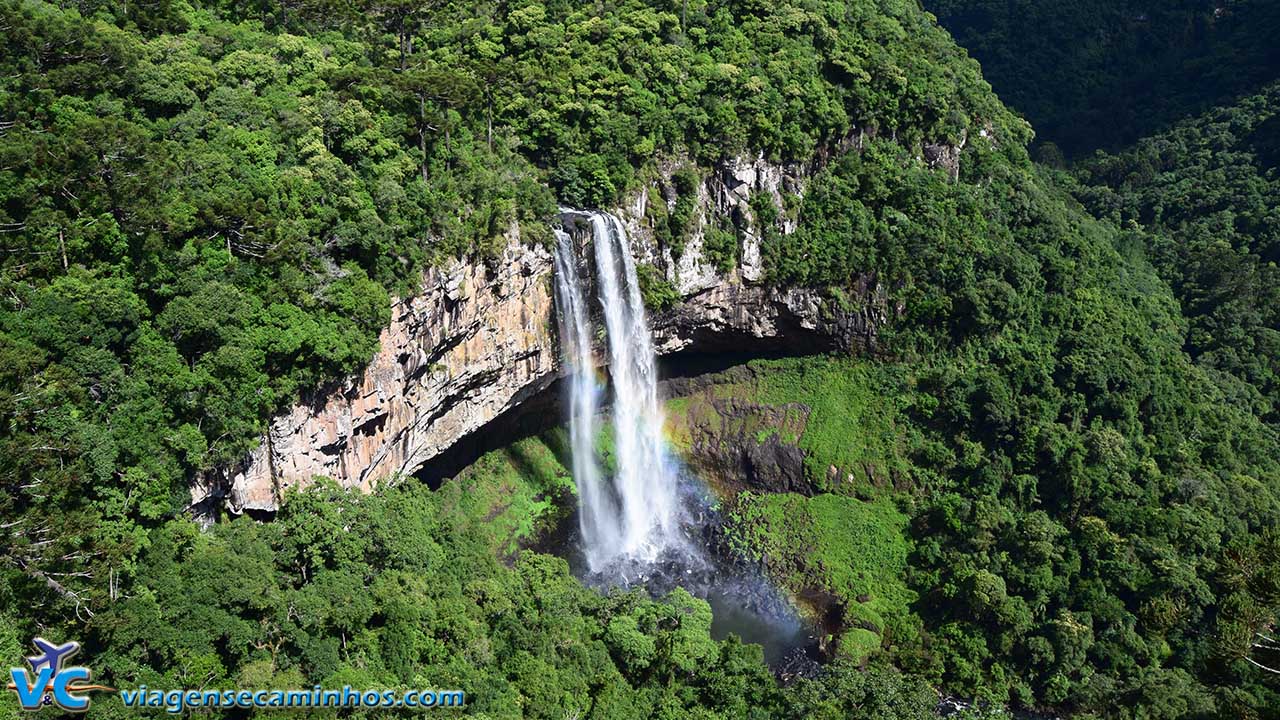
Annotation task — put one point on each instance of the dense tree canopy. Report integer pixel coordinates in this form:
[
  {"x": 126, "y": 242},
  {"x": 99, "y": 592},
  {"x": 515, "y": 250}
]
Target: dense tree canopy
[
  {"x": 1081, "y": 483},
  {"x": 1095, "y": 74},
  {"x": 1204, "y": 200},
  {"x": 206, "y": 206}
]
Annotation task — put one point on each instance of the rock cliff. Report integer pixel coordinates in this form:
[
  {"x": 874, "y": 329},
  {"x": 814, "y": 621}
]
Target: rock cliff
[
  {"x": 733, "y": 442},
  {"x": 478, "y": 340}
]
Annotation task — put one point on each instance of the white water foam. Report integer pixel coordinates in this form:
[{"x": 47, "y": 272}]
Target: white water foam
[{"x": 634, "y": 516}]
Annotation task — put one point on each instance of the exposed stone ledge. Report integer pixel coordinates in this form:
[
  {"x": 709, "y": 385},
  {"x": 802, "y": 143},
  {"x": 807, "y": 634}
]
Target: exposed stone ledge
[
  {"x": 478, "y": 340},
  {"x": 471, "y": 345}
]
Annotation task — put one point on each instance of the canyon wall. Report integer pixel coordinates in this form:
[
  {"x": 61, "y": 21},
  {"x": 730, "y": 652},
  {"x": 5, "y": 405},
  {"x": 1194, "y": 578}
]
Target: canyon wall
[{"x": 479, "y": 339}]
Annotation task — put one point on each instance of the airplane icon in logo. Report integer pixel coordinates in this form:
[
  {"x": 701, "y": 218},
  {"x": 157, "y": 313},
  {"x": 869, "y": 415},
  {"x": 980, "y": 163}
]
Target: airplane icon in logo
[
  {"x": 52, "y": 681},
  {"x": 53, "y": 655}
]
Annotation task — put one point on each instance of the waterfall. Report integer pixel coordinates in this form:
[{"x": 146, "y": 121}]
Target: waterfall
[
  {"x": 645, "y": 480},
  {"x": 635, "y": 515},
  {"x": 597, "y": 504},
  {"x": 635, "y": 520}
]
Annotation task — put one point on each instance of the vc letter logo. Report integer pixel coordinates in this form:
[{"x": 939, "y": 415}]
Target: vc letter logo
[{"x": 51, "y": 681}]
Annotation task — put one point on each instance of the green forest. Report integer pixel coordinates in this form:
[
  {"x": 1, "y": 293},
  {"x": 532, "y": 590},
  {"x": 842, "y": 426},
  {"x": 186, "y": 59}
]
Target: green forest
[
  {"x": 1093, "y": 74},
  {"x": 1070, "y": 432}
]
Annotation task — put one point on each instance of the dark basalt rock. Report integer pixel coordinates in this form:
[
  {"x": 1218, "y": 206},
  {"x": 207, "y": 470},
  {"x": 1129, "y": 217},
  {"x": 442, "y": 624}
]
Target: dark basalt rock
[{"x": 743, "y": 445}]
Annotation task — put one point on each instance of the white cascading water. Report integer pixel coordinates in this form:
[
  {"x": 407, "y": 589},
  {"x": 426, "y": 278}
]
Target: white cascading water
[
  {"x": 636, "y": 516},
  {"x": 634, "y": 523},
  {"x": 598, "y": 506}
]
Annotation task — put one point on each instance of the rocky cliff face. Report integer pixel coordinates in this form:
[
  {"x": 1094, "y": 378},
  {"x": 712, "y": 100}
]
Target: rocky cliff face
[
  {"x": 478, "y": 340},
  {"x": 472, "y": 344},
  {"x": 734, "y": 442}
]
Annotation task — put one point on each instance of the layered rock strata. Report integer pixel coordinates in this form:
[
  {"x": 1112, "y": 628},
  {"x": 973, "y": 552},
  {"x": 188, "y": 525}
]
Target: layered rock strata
[{"x": 479, "y": 339}]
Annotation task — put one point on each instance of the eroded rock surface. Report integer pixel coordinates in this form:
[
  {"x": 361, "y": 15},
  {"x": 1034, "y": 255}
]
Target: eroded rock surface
[
  {"x": 471, "y": 345},
  {"x": 741, "y": 445},
  {"x": 479, "y": 339}
]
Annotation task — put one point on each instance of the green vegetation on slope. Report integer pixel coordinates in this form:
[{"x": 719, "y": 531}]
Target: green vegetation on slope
[
  {"x": 205, "y": 207},
  {"x": 1203, "y": 200},
  {"x": 851, "y": 418},
  {"x": 515, "y": 495},
  {"x": 844, "y": 549},
  {"x": 1093, "y": 74},
  {"x": 386, "y": 591},
  {"x": 1082, "y": 481},
  {"x": 840, "y": 411},
  {"x": 854, "y": 550}
]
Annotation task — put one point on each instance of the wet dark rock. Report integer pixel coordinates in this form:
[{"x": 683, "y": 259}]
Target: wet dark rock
[
  {"x": 798, "y": 665},
  {"x": 742, "y": 445}
]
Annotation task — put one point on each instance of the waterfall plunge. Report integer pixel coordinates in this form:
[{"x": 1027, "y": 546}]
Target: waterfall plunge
[
  {"x": 635, "y": 525},
  {"x": 634, "y": 516}
]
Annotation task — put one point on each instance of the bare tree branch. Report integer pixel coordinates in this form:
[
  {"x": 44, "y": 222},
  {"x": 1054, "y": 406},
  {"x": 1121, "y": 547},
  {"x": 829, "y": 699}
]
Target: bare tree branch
[{"x": 1261, "y": 666}]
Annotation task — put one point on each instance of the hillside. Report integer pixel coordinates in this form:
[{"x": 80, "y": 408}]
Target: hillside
[
  {"x": 1100, "y": 75},
  {"x": 1203, "y": 199},
  {"x": 1052, "y": 483}
]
